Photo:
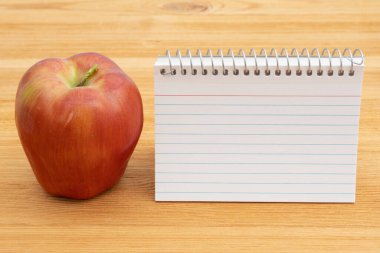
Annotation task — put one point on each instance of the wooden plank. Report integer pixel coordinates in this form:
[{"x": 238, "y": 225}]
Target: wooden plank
[{"x": 126, "y": 218}]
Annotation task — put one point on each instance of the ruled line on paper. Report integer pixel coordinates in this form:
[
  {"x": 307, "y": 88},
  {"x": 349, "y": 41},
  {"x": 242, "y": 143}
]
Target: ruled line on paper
[
  {"x": 274, "y": 193},
  {"x": 222, "y": 153},
  {"x": 190, "y": 163},
  {"x": 197, "y": 182},
  {"x": 253, "y": 124},
  {"x": 254, "y": 173},
  {"x": 269, "y": 115},
  {"x": 312, "y": 134},
  {"x": 247, "y": 95},
  {"x": 261, "y": 144},
  {"x": 281, "y": 105}
]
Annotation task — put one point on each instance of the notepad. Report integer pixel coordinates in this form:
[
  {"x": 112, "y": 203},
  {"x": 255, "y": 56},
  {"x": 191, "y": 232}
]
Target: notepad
[{"x": 257, "y": 127}]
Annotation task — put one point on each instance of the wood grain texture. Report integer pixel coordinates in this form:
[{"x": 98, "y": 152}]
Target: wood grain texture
[{"x": 126, "y": 218}]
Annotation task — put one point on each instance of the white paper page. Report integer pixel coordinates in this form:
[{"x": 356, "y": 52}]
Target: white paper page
[{"x": 256, "y": 138}]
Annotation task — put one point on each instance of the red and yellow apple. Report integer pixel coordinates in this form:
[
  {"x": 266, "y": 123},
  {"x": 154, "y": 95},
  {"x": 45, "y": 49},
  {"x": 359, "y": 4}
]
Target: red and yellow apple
[{"x": 79, "y": 120}]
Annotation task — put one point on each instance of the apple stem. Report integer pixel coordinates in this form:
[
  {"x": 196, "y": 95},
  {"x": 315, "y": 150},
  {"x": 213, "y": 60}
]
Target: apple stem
[{"x": 87, "y": 76}]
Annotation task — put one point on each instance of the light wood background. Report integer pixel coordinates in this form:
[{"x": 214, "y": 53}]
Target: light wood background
[{"x": 126, "y": 218}]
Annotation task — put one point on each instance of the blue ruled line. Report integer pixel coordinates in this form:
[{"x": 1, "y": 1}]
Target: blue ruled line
[
  {"x": 342, "y": 164},
  {"x": 251, "y": 173},
  {"x": 258, "y": 144},
  {"x": 212, "y": 124},
  {"x": 282, "y": 105},
  {"x": 266, "y": 193},
  {"x": 158, "y": 133},
  {"x": 298, "y": 154},
  {"x": 238, "y": 114},
  {"x": 253, "y": 183}
]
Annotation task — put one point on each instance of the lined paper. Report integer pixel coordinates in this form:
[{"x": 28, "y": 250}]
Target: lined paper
[{"x": 256, "y": 138}]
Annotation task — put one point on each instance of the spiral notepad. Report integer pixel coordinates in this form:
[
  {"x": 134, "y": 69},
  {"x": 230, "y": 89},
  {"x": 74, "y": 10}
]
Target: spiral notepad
[{"x": 271, "y": 126}]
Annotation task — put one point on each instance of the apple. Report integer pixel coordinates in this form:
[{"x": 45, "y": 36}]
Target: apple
[{"x": 79, "y": 120}]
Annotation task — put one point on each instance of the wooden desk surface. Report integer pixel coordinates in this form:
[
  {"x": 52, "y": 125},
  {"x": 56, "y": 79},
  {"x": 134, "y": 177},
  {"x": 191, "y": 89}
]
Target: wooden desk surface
[{"x": 126, "y": 218}]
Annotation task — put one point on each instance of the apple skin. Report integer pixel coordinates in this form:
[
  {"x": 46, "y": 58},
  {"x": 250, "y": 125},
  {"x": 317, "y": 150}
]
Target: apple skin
[{"x": 78, "y": 140}]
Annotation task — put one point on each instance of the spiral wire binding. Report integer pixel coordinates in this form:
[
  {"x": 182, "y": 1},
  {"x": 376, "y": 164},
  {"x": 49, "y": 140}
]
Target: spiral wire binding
[
  {"x": 263, "y": 52},
  {"x": 242, "y": 54},
  {"x": 220, "y": 54},
  {"x": 178, "y": 54},
  {"x": 340, "y": 71},
  {"x": 330, "y": 72},
  {"x": 252, "y": 52},
  {"x": 294, "y": 51},
  {"x": 336, "y": 53},
  {"x": 231, "y": 54},
  {"x": 209, "y": 54},
  {"x": 288, "y": 71},
  {"x": 277, "y": 72},
  {"x": 199, "y": 54},
  {"x": 309, "y": 72}
]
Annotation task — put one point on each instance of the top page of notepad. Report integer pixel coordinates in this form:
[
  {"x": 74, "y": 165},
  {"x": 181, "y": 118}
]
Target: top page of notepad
[{"x": 256, "y": 138}]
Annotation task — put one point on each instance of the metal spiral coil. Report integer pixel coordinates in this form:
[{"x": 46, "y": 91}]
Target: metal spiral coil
[{"x": 336, "y": 53}]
